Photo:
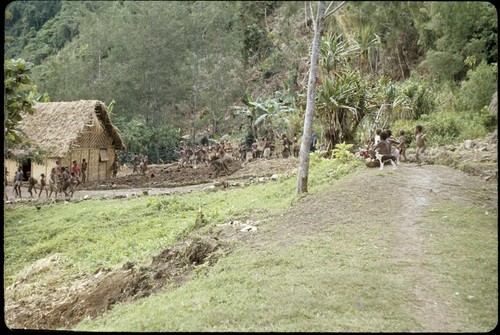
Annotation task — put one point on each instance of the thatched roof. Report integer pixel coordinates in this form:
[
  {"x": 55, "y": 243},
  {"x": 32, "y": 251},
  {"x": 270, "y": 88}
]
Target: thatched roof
[{"x": 55, "y": 126}]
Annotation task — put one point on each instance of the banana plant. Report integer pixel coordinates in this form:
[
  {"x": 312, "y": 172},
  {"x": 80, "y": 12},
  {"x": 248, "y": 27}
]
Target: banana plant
[{"x": 262, "y": 112}]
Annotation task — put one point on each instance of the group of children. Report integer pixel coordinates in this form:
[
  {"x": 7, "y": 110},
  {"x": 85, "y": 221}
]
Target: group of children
[
  {"x": 61, "y": 179},
  {"x": 391, "y": 148}
]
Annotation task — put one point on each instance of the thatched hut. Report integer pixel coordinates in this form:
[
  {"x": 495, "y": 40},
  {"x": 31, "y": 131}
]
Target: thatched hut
[{"x": 70, "y": 131}]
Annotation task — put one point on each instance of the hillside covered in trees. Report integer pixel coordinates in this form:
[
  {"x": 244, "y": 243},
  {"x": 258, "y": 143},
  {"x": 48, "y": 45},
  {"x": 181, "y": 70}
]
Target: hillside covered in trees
[{"x": 238, "y": 70}]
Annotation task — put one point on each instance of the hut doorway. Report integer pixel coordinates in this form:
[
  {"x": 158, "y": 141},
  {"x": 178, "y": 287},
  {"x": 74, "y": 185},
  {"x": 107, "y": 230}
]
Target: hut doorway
[{"x": 26, "y": 168}]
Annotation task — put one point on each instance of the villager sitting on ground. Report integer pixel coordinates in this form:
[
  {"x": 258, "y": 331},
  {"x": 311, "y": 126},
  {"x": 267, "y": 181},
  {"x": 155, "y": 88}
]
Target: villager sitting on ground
[{"x": 384, "y": 148}]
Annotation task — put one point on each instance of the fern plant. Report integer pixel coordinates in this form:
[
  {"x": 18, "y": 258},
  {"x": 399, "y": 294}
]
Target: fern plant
[{"x": 342, "y": 153}]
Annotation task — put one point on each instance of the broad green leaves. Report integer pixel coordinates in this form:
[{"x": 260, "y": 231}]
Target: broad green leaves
[{"x": 20, "y": 95}]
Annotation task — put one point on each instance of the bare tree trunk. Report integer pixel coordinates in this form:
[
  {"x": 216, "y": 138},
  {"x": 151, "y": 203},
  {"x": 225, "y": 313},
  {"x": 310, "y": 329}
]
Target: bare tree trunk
[{"x": 311, "y": 95}]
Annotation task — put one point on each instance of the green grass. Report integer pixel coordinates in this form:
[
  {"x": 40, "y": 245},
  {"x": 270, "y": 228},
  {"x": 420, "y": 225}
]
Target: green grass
[
  {"x": 320, "y": 284},
  {"x": 341, "y": 280},
  {"x": 96, "y": 233},
  {"x": 463, "y": 249}
]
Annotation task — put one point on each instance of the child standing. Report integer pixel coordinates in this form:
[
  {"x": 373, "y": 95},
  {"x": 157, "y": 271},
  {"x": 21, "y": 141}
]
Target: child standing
[
  {"x": 419, "y": 138},
  {"x": 402, "y": 145}
]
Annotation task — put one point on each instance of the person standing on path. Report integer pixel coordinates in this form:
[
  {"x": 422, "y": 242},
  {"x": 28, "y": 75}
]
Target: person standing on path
[
  {"x": 419, "y": 137},
  {"x": 402, "y": 145},
  {"x": 18, "y": 181},
  {"x": 83, "y": 170}
]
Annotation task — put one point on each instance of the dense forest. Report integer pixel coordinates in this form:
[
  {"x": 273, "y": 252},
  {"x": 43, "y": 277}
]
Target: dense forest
[{"x": 236, "y": 70}]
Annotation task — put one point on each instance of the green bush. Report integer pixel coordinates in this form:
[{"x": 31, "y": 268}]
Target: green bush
[
  {"x": 272, "y": 64},
  {"x": 476, "y": 92},
  {"x": 419, "y": 96}
]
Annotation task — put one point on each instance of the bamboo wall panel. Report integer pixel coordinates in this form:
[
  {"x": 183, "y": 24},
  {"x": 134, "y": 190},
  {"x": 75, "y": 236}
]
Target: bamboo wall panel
[{"x": 93, "y": 166}]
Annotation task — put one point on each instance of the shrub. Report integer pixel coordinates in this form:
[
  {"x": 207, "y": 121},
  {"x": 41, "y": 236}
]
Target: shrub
[{"x": 476, "y": 92}]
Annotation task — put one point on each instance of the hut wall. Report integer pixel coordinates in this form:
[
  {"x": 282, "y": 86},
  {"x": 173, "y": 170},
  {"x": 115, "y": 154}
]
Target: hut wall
[
  {"x": 11, "y": 166},
  {"x": 35, "y": 169},
  {"x": 97, "y": 149},
  {"x": 38, "y": 169},
  {"x": 50, "y": 163}
]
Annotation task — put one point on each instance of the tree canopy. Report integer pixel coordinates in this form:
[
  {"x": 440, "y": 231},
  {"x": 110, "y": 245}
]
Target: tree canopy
[{"x": 184, "y": 64}]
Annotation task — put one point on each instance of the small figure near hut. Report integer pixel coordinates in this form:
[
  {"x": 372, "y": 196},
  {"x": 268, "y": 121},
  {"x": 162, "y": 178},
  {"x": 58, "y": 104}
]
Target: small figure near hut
[
  {"x": 75, "y": 169},
  {"x": 83, "y": 170},
  {"x": 31, "y": 183},
  {"x": 53, "y": 183},
  {"x": 43, "y": 185},
  {"x": 18, "y": 181},
  {"x": 114, "y": 168},
  {"x": 74, "y": 181},
  {"x": 65, "y": 181}
]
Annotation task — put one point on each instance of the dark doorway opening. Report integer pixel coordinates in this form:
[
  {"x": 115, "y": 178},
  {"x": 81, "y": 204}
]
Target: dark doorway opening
[{"x": 26, "y": 168}]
